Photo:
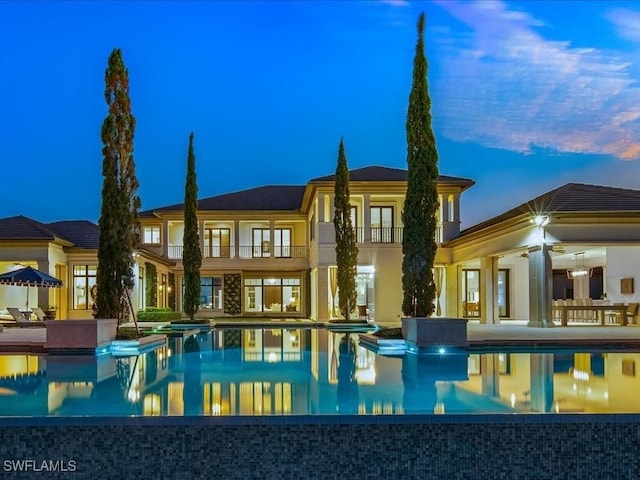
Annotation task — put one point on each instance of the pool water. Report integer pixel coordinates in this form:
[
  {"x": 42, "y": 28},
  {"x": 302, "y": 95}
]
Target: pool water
[{"x": 312, "y": 372}]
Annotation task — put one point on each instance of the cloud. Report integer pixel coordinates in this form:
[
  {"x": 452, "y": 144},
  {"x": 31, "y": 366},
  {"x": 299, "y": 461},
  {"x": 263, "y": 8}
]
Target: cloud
[
  {"x": 627, "y": 22},
  {"x": 396, "y": 3},
  {"x": 506, "y": 86}
]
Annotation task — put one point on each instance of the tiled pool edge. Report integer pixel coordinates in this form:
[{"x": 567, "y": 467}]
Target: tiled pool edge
[
  {"x": 445, "y": 447},
  {"x": 275, "y": 420}
]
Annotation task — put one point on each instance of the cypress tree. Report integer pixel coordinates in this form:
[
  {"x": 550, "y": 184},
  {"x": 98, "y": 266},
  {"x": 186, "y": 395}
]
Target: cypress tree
[
  {"x": 421, "y": 201},
  {"x": 346, "y": 249},
  {"x": 191, "y": 254},
  {"x": 120, "y": 203}
]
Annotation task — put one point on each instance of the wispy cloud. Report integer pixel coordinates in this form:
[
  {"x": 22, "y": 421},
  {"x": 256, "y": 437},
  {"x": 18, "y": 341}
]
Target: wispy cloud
[
  {"x": 506, "y": 86},
  {"x": 396, "y": 3},
  {"x": 627, "y": 22}
]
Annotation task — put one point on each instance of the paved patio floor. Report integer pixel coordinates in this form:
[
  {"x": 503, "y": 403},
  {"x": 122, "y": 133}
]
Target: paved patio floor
[{"x": 512, "y": 333}]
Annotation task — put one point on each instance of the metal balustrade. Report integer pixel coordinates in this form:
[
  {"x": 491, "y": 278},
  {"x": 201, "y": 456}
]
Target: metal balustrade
[{"x": 252, "y": 251}]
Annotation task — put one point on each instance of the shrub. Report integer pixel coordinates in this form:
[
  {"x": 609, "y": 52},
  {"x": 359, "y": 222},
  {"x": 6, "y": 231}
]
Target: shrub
[
  {"x": 156, "y": 314},
  {"x": 128, "y": 333}
]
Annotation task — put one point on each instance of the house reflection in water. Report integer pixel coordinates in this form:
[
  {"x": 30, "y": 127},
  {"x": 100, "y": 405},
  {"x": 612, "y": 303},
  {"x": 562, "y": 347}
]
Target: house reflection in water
[{"x": 312, "y": 371}]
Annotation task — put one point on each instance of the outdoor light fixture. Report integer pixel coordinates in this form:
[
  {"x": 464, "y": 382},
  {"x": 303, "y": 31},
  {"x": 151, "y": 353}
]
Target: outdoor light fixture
[
  {"x": 541, "y": 220},
  {"x": 580, "y": 270}
]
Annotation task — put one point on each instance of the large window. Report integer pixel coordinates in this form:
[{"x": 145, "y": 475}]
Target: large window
[
  {"x": 272, "y": 294},
  {"x": 210, "y": 293},
  {"x": 151, "y": 235},
  {"x": 382, "y": 224},
  {"x": 217, "y": 242},
  {"x": 282, "y": 242},
  {"x": 261, "y": 242},
  {"x": 84, "y": 279},
  {"x": 471, "y": 292}
]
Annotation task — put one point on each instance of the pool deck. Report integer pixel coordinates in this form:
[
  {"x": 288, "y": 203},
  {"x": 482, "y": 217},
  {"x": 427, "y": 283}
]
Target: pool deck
[{"x": 512, "y": 334}]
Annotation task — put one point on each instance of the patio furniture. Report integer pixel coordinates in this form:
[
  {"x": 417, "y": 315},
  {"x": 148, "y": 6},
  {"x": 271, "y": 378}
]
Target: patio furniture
[
  {"x": 612, "y": 316},
  {"x": 21, "y": 320},
  {"x": 39, "y": 313}
]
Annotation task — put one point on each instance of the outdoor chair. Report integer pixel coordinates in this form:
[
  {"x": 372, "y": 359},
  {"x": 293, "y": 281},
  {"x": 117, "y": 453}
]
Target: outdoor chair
[
  {"x": 632, "y": 313},
  {"x": 39, "y": 313},
  {"x": 21, "y": 321},
  {"x": 611, "y": 316}
]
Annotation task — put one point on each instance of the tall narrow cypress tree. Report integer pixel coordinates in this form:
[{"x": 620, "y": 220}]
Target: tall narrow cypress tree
[
  {"x": 191, "y": 254},
  {"x": 421, "y": 201},
  {"x": 346, "y": 249},
  {"x": 120, "y": 203}
]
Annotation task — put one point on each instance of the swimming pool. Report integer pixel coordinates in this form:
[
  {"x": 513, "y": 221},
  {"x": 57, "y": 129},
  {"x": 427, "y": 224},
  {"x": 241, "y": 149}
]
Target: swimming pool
[{"x": 271, "y": 372}]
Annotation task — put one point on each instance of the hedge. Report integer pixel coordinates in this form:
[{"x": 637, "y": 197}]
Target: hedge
[{"x": 156, "y": 314}]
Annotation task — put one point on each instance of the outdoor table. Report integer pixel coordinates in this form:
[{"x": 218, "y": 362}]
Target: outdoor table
[{"x": 600, "y": 309}]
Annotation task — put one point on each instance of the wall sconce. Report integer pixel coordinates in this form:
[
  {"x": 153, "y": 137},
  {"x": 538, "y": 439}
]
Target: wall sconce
[
  {"x": 169, "y": 289},
  {"x": 541, "y": 220}
]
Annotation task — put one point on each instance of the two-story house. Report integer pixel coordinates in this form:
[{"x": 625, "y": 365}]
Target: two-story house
[{"x": 273, "y": 247}]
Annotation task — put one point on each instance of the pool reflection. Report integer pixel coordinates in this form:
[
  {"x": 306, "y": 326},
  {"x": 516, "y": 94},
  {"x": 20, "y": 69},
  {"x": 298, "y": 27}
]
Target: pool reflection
[{"x": 313, "y": 371}]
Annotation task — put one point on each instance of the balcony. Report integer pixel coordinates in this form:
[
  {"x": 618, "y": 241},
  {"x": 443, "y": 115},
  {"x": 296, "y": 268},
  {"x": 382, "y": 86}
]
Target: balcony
[
  {"x": 389, "y": 234},
  {"x": 244, "y": 252}
]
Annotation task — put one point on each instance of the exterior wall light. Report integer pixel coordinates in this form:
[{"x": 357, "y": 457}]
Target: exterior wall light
[{"x": 541, "y": 220}]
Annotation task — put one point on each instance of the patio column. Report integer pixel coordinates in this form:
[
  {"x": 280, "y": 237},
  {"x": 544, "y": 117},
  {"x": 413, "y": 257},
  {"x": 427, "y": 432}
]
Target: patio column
[
  {"x": 541, "y": 382},
  {"x": 489, "y": 286},
  {"x": 324, "y": 300},
  {"x": 451, "y": 289},
  {"x": 540, "y": 286},
  {"x": 236, "y": 238},
  {"x": 272, "y": 236},
  {"x": 43, "y": 293},
  {"x": 366, "y": 219},
  {"x": 201, "y": 238}
]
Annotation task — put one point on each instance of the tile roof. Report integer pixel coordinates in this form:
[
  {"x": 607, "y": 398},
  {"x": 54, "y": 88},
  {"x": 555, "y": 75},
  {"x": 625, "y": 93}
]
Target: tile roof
[
  {"x": 24, "y": 228},
  {"x": 571, "y": 198},
  {"x": 82, "y": 233},
  {"x": 269, "y": 197},
  {"x": 289, "y": 197},
  {"x": 376, "y": 173}
]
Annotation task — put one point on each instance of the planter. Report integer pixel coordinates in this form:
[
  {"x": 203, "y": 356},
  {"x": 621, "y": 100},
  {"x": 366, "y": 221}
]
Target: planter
[
  {"x": 82, "y": 335},
  {"x": 427, "y": 332},
  {"x": 135, "y": 347}
]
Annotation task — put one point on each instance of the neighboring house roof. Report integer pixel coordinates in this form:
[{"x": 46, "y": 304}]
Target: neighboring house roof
[
  {"x": 82, "y": 233},
  {"x": 386, "y": 174},
  {"x": 269, "y": 197},
  {"x": 24, "y": 228},
  {"x": 570, "y": 198}
]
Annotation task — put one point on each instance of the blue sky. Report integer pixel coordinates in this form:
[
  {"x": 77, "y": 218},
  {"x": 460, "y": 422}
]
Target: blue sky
[{"x": 526, "y": 96}]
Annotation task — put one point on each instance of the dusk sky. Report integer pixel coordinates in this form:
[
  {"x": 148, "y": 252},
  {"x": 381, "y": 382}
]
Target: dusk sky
[{"x": 526, "y": 96}]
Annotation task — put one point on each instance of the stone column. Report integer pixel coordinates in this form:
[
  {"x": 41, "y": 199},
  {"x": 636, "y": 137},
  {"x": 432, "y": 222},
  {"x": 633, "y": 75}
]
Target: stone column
[
  {"x": 451, "y": 291},
  {"x": 236, "y": 238},
  {"x": 540, "y": 286},
  {"x": 366, "y": 218},
  {"x": 201, "y": 237},
  {"x": 541, "y": 382},
  {"x": 489, "y": 286},
  {"x": 272, "y": 238}
]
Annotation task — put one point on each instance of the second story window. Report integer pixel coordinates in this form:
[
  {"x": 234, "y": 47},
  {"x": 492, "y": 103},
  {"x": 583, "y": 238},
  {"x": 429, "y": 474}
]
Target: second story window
[
  {"x": 151, "y": 235},
  {"x": 217, "y": 242},
  {"x": 382, "y": 224}
]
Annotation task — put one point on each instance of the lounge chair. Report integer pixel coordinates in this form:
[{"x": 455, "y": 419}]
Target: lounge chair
[
  {"x": 39, "y": 313},
  {"x": 20, "y": 319}
]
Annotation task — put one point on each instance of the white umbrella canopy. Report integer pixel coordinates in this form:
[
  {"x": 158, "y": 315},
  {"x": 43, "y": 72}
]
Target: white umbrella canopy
[{"x": 29, "y": 277}]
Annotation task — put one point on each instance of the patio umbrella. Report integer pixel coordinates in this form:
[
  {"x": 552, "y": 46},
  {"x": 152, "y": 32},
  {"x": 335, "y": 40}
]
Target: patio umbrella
[{"x": 29, "y": 277}]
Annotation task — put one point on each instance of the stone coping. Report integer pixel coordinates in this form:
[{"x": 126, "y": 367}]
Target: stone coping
[{"x": 409, "y": 419}]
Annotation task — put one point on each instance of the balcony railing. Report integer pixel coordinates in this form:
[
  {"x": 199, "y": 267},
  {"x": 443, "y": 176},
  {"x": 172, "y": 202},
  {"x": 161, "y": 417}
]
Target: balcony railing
[
  {"x": 389, "y": 234},
  {"x": 253, "y": 251}
]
